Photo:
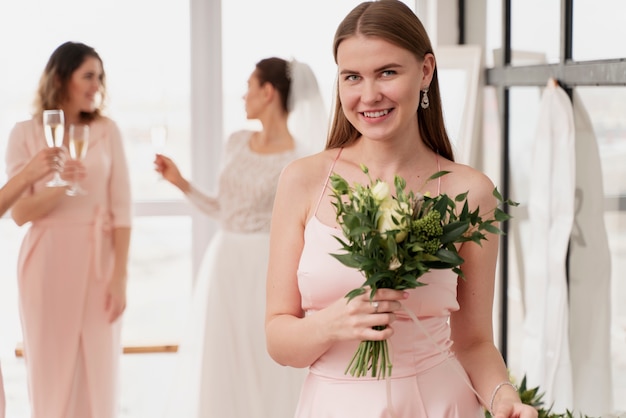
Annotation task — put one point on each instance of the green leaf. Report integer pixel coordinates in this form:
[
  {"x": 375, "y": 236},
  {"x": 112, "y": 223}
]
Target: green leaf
[
  {"x": 452, "y": 231},
  {"x": 354, "y": 293},
  {"x": 348, "y": 260},
  {"x": 461, "y": 197},
  {"x": 497, "y": 195},
  {"x": 338, "y": 184},
  {"x": 437, "y": 175},
  {"x": 441, "y": 205},
  {"x": 465, "y": 211},
  {"x": 450, "y": 257},
  {"x": 490, "y": 228},
  {"x": 459, "y": 272},
  {"x": 399, "y": 183},
  {"x": 500, "y": 216}
]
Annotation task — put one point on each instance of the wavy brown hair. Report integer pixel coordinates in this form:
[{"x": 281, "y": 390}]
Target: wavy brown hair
[
  {"x": 394, "y": 22},
  {"x": 53, "y": 84}
]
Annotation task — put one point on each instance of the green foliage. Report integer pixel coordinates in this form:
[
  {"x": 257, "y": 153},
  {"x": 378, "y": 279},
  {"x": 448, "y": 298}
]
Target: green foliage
[{"x": 395, "y": 239}]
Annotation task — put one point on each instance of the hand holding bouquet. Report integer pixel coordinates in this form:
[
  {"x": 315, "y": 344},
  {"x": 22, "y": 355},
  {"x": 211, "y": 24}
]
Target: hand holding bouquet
[{"x": 394, "y": 239}]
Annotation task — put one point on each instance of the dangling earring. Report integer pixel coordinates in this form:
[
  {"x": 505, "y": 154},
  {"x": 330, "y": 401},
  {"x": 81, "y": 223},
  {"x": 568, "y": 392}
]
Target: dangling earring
[{"x": 425, "y": 102}]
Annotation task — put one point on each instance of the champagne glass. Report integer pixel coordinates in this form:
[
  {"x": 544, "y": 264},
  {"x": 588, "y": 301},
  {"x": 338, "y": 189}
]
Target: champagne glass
[
  {"x": 79, "y": 142},
  {"x": 54, "y": 128}
]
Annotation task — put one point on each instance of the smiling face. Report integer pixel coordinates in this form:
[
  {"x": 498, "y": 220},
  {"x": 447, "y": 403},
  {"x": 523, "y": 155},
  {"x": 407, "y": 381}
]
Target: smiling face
[
  {"x": 84, "y": 87},
  {"x": 379, "y": 86}
]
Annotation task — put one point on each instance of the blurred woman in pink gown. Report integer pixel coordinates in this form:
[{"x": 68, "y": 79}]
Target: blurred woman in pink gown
[
  {"x": 73, "y": 259},
  {"x": 388, "y": 117},
  {"x": 43, "y": 163}
]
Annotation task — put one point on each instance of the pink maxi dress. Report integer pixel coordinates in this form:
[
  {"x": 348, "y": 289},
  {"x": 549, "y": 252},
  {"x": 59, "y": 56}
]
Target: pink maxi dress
[
  {"x": 65, "y": 260},
  {"x": 427, "y": 380}
]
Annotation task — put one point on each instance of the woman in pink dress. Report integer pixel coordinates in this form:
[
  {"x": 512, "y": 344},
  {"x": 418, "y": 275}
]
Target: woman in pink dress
[
  {"x": 73, "y": 259},
  {"x": 43, "y": 163},
  {"x": 388, "y": 117}
]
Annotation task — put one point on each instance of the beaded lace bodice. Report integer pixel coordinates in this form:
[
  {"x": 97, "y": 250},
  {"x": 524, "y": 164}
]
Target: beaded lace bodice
[{"x": 246, "y": 186}]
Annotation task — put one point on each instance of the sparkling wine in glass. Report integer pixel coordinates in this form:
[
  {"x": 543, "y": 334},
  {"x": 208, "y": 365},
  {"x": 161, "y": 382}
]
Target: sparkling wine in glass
[
  {"x": 54, "y": 128},
  {"x": 78, "y": 144}
]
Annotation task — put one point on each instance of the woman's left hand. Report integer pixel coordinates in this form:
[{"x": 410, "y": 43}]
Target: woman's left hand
[
  {"x": 515, "y": 410},
  {"x": 115, "y": 302}
]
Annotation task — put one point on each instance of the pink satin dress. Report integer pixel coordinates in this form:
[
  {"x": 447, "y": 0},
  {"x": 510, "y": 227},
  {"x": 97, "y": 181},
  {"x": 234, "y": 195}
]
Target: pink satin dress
[
  {"x": 427, "y": 380},
  {"x": 71, "y": 350}
]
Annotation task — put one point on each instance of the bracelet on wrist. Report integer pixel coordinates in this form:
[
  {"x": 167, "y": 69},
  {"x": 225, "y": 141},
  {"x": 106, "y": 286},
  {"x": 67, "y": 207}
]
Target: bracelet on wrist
[{"x": 495, "y": 392}]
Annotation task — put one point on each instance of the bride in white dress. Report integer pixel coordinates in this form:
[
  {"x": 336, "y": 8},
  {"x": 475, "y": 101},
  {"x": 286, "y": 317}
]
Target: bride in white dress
[{"x": 224, "y": 370}]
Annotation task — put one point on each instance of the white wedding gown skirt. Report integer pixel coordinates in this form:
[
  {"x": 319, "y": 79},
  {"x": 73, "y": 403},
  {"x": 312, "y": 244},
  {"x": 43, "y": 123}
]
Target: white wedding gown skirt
[{"x": 224, "y": 370}]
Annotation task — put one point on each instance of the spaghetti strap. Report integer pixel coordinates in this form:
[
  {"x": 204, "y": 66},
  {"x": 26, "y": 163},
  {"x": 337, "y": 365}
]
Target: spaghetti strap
[{"x": 319, "y": 200}]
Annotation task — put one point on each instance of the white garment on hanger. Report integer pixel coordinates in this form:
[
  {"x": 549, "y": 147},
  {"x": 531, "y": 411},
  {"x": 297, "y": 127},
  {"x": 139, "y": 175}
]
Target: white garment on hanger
[
  {"x": 590, "y": 278},
  {"x": 546, "y": 352}
]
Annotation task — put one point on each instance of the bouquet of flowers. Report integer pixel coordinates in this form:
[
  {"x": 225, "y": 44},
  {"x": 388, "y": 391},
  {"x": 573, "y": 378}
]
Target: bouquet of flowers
[{"x": 394, "y": 239}]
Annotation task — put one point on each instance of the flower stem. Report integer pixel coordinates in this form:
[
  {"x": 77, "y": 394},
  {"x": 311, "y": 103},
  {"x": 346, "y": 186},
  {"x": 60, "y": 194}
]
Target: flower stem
[{"x": 370, "y": 356}]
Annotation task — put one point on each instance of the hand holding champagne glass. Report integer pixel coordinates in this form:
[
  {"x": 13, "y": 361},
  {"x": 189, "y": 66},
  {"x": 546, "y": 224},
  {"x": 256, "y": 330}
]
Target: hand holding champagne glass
[
  {"x": 78, "y": 144},
  {"x": 54, "y": 128}
]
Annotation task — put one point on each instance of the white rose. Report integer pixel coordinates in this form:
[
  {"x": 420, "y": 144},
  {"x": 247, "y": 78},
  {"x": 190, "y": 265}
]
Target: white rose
[
  {"x": 380, "y": 191},
  {"x": 389, "y": 209}
]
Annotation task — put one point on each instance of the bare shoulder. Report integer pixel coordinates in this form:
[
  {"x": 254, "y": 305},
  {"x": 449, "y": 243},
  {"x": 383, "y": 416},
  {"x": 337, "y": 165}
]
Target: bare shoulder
[
  {"x": 303, "y": 180},
  {"x": 463, "y": 178},
  {"x": 310, "y": 170}
]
